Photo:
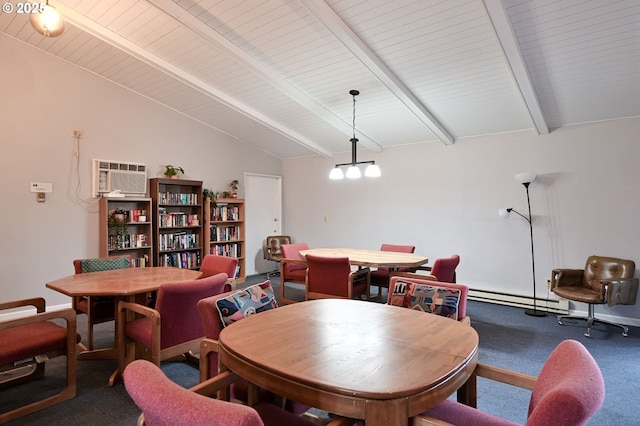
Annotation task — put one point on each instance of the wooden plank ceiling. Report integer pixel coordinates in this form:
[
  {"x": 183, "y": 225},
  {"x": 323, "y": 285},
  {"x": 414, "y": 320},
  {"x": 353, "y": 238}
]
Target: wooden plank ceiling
[{"x": 276, "y": 74}]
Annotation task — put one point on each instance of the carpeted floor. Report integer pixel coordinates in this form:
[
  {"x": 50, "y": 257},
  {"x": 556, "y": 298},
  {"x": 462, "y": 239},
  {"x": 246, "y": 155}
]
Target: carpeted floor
[{"x": 508, "y": 338}]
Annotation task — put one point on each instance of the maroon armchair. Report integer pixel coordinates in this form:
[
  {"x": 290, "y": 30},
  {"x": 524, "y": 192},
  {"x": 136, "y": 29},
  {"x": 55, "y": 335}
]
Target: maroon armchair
[
  {"x": 603, "y": 280},
  {"x": 214, "y": 264},
  {"x": 331, "y": 276},
  {"x": 164, "y": 402},
  {"x": 174, "y": 327},
  {"x": 213, "y": 325},
  {"x": 568, "y": 391},
  {"x": 292, "y": 268},
  {"x": 443, "y": 269},
  {"x": 380, "y": 276},
  {"x": 26, "y": 343},
  {"x": 98, "y": 309}
]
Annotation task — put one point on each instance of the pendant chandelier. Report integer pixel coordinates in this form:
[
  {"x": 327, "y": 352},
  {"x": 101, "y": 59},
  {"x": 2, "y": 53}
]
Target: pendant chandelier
[
  {"x": 47, "y": 20},
  {"x": 353, "y": 172}
]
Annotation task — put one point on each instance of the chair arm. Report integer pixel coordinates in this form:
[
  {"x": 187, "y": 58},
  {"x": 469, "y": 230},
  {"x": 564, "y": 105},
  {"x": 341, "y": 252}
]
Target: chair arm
[
  {"x": 37, "y": 302},
  {"x": 413, "y": 275},
  {"x": 362, "y": 272},
  {"x": 290, "y": 260},
  {"x": 67, "y": 314},
  {"x": 622, "y": 291},
  {"x": 508, "y": 377},
  {"x": 422, "y": 420},
  {"x": 217, "y": 383},
  {"x": 207, "y": 346},
  {"x": 138, "y": 309},
  {"x": 566, "y": 277}
]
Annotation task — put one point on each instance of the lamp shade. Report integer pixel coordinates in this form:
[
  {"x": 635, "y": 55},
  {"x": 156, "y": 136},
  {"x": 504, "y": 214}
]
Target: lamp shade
[
  {"x": 354, "y": 172},
  {"x": 372, "y": 170},
  {"x": 336, "y": 173},
  {"x": 526, "y": 177},
  {"x": 503, "y": 213},
  {"x": 49, "y": 22}
]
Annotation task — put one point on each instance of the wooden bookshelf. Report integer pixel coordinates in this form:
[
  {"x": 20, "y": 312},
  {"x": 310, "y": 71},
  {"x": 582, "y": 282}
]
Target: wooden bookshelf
[
  {"x": 177, "y": 222},
  {"x": 135, "y": 237},
  {"x": 224, "y": 231}
]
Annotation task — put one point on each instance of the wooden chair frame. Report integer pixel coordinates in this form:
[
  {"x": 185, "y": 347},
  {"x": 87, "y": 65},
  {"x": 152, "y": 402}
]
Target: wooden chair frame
[
  {"x": 35, "y": 366},
  {"x": 283, "y": 299}
]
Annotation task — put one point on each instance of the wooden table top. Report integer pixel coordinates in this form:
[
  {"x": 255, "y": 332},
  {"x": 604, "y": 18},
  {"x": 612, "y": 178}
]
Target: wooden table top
[
  {"x": 120, "y": 282},
  {"x": 358, "y": 359},
  {"x": 372, "y": 258}
]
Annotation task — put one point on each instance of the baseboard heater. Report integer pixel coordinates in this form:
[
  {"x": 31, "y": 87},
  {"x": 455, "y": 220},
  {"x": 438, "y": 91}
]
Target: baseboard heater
[{"x": 526, "y": 302}]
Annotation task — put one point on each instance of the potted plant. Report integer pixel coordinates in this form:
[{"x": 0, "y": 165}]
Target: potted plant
[
  {"x": 172, "y": 171},
  {"x": 209, "y": 195},
  {"x": 118, "y": 222},
  {"x": 233, "y": 188}
]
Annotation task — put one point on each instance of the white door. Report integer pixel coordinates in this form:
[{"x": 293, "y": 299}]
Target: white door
[{"x": 263, "y": 213}]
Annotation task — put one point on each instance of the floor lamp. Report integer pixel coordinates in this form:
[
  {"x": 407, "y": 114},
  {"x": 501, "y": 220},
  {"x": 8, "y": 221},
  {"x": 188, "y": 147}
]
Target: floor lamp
[{"x": 525, "y": 179}]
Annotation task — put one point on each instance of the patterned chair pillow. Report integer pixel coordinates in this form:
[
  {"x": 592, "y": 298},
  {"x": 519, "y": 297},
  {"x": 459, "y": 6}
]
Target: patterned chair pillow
[
  {"x": 252, "y": 300},
  {"x": 97, "y": 265},
  {"x": 433, "y": 299}
]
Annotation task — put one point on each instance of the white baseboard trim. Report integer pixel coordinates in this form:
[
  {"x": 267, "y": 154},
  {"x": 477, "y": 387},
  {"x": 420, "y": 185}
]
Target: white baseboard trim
[{"x": 526, "y": 302}]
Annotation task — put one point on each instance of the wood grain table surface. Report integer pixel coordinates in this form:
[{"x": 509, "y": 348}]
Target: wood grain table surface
[
  {"x": 363, "y": 360},
  {"x": 372, "y": 258}
]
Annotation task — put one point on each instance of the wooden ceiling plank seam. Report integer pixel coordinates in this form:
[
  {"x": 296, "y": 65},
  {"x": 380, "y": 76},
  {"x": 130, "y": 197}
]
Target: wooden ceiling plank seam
[
  {"x": 257, "y": 68},
  {"x": 120, "y": 42},
  {"x": 339, "y": 28},
  {"x": 506, "y": 38}
]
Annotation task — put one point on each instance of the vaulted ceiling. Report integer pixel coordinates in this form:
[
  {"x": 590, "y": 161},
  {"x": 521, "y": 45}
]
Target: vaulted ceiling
[{"x": 276, "y": 74}]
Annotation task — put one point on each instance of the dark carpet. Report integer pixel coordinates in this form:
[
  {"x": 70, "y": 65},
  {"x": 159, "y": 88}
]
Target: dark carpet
[{"x": 508, "y": 338}]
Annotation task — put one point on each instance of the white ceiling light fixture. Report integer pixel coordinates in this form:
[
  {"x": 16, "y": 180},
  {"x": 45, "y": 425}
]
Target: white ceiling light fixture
[
  {"x": 353, "y": 172},
  {"x": 46, "y": 20}
]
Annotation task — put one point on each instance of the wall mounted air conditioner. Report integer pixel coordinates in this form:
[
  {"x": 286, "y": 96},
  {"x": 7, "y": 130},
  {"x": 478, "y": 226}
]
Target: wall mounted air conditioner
[{"x": 119, "y": 177}]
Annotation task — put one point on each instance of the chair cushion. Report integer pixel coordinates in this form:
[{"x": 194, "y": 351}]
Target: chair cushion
[
  {"x": 26, "y": 341},
  {"x": 429, "y": 298},
  {"x": 241, "y": 304},
  {"x": 97, "y": 265}
]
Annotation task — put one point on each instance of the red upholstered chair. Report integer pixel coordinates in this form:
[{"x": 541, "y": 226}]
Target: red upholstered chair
[
  {"x": 97, "y": 308},
  {"x": 331, "y": 276},
  {"x": 173, "y": 327},
  {"x": 568, "y": 391},
  {"x": 398, "y": 295},
  {"x": 292, "y": 268},
  {"x": 380, "y": 276},
  {"x": 164, "y": 402},
  {"x": 214, "y": 264},
  {"x": 443, "y": 269},
  {"x": 213, "y": 325},
  {"x": 27, "y": 343}
]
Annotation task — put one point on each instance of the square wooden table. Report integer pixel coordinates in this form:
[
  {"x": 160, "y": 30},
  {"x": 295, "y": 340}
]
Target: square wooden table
[{"x": 363, "y": 360}]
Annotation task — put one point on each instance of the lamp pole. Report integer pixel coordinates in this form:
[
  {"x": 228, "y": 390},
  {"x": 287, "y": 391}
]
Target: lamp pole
[{"x": 533, "y": 312}]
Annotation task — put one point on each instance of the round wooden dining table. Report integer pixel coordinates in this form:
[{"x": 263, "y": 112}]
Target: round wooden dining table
[{"x": 380, "y": 363}]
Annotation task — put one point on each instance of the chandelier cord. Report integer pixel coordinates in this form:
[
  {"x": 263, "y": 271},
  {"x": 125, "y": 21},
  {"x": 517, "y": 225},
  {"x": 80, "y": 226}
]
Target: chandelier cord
[{"x": 354, "y": 117}]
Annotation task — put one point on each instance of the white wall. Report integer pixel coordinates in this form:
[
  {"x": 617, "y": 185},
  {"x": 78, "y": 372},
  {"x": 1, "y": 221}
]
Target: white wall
[
  {"x": 444, "y": 200},
  {"x": 41, "y": 100}
]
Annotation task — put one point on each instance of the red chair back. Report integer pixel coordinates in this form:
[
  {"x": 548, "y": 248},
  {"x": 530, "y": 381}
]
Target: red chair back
[
  {"x": 328, "y": 275},
  {"x": 177, "y": 304},
  {"x": 445, "y": 268},
  {"x": 292, "y": 251},
  {"x": 397, "y": 248}
]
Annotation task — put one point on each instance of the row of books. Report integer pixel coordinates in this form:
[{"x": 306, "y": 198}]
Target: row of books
[
  {"x": 224, "y": 233},
  {"x": 177, "y": 198},
  {"x": 223, "y": 212},
  {"x": 178, "y": 240},
  {"x": 128, "y": 241},
  {"x": 229, "y": 250},
  {"x": 185, "y": 260},
  {"x": 140, "y": 262},
  {"x": 177, "y": 219}
]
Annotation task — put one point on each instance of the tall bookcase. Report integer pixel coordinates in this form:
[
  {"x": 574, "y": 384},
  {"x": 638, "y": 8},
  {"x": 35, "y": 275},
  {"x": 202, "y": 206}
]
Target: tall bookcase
[
  {"x": 125, "y": 228},
  {"x": 177, "y": 222},
  {"x": 225, "y": 230}
]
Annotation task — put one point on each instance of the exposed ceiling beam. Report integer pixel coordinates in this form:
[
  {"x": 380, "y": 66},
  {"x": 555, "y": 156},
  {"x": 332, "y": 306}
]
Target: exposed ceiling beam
[
  {"x": 325, "y": 14},
  {"x": 257, "y": 68},
  {"x": 511, "y": 49},
  {"x": 119, "y": 42}
]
